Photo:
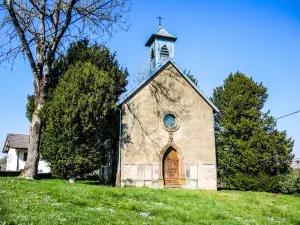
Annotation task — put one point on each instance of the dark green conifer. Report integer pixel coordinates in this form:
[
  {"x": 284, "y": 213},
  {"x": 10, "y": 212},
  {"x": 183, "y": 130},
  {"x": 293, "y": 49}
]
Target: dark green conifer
[{"x": 252, "y": 154}]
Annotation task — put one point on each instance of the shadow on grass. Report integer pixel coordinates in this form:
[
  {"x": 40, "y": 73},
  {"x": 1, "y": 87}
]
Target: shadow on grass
[
  {"x": 87, "y": 180},
  {"x": 92, "y": 180}
]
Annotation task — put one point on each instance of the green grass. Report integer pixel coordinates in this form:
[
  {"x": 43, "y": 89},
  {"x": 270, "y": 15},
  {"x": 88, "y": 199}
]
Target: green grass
[{"x": 58, "y": 202}]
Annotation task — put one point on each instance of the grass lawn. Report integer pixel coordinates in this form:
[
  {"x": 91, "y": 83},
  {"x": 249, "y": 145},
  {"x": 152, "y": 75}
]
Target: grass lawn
[{"x": 58, "y": 202}]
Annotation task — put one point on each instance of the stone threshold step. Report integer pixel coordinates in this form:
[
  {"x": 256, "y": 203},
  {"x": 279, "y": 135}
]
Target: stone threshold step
[{"x": 173, "y": 186}]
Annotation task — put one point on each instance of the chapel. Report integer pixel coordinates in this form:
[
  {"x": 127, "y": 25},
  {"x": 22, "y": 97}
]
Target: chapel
[{"x": 167, "y": 136}]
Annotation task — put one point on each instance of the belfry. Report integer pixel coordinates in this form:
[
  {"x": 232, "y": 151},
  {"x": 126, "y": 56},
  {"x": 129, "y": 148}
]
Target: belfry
[{"x": 161, "y": 47}]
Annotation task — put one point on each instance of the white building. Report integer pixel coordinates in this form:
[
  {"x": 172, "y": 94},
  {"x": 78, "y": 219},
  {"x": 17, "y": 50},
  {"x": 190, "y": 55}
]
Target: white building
[
  {"x": 16, "y": 147},
  {"x": 296, "y": 164}
]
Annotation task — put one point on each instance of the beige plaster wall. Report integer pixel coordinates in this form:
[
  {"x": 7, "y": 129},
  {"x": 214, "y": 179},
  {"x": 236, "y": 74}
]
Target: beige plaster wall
[{"x": 146, "y": 136}]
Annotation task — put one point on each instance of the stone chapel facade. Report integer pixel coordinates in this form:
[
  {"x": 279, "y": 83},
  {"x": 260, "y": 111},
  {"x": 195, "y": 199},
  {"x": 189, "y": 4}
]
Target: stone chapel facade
[{"x": 167, "y": 127}]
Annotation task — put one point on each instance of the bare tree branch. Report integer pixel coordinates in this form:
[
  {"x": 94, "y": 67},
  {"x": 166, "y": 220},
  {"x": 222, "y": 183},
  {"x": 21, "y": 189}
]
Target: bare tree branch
[
  {"x": 23, "y": 39},
  {"x": 42, "y": 28}
]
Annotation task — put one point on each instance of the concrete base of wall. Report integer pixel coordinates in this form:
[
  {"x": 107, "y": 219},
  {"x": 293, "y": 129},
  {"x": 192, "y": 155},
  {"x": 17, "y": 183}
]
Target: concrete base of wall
[{"x": 197, "y": 176}]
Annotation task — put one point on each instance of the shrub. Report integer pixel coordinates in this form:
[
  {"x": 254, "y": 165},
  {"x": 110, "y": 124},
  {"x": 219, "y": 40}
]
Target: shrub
[
  {"x": 248, "y": 182},
  {"x": 290, "y": 184}
]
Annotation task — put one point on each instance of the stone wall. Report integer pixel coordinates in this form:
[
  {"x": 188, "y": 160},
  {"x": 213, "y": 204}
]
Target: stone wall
[
  {"x": 197, "y": 176},
  {"x": 147, "y": 138}
]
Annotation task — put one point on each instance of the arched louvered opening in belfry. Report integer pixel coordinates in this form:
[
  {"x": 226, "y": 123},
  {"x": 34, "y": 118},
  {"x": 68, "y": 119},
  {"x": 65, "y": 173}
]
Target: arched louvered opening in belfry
[
  {"x": 164, "y": 52},
  {"x": 152, "y": 54}
]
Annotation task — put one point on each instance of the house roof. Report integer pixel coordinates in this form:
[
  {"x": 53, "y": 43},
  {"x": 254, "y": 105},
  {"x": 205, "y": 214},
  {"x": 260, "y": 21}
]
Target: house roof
[
  {"x": 152, "y": 75},
  {"x": 16, "y": 141},
  {"x": 160, "y": 33}
]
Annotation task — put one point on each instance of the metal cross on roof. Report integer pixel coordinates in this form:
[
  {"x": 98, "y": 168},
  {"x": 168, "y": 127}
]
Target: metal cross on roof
[{"x": 159, "y": 19}]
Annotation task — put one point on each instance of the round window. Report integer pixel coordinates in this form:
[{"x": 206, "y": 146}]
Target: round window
[{"x": 170, "y": 120}]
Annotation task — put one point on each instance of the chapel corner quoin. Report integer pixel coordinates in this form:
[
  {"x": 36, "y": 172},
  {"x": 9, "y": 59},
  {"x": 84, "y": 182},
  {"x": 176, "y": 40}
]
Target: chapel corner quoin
[{"x": 170, "y": 125}]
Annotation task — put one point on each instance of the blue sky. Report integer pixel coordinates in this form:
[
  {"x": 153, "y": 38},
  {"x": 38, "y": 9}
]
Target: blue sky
[{"x": 215, "y": 37}]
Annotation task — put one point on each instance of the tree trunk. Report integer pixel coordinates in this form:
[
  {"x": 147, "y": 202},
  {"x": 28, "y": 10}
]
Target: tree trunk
[{"x": 31, "y": 166}]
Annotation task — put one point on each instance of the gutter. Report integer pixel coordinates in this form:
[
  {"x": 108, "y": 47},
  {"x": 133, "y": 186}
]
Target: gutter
[{"x": 118, "y": 180}]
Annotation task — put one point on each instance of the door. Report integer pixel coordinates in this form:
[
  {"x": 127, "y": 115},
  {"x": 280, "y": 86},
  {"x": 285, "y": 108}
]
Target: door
[{"x": 171, "y": 167}]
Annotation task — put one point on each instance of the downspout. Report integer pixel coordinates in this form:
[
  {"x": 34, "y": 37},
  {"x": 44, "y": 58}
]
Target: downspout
[
  {"x": 18, "y": 157},
  {"x": 118, "y": 181},
  {"x": 214, "y": 121}
]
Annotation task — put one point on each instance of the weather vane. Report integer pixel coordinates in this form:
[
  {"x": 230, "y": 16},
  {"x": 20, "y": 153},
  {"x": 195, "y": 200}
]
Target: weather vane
[{"x": 159, "y": 19}]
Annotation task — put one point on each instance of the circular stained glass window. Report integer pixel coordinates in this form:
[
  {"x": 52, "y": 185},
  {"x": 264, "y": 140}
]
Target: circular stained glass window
[{"x": 170, "y": 120}]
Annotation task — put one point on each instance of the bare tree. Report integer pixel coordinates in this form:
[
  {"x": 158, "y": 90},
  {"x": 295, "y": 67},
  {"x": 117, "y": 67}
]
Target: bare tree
[{"x": 38, "y": 30}]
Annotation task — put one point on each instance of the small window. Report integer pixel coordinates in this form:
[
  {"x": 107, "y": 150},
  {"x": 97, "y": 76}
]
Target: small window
[
  {"x": 164, "y": 52},
  {"x": 25, "y": 156},
  {"x": 170, "y": 120}
]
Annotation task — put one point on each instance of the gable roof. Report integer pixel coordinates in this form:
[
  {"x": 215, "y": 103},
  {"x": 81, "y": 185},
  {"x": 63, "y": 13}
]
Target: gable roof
[
  {"x": 156, "y": 71},
  {"x": 15, "y": 141},
  {"x": 160, "y": 33}
]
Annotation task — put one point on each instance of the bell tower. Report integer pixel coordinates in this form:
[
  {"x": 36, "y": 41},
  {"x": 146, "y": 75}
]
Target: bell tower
[{"x": 161, "y": 47}]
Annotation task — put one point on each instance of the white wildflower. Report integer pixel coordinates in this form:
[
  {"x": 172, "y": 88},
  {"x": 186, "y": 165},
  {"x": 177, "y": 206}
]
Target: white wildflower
[
  {"x": 145, "y": 214},
  {"x": 55, "y": 204},
  {"x": 158, "y": 203}
]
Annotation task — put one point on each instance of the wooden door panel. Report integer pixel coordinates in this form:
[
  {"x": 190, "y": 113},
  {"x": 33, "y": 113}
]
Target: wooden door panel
[
  {"x": 166, "y": 171},
  {"x": 171, "y": 167},
  {"x": 173, "y": 174}
]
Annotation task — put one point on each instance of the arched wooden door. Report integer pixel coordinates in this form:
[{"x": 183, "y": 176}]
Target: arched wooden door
[{"x": 171, "y": 167}]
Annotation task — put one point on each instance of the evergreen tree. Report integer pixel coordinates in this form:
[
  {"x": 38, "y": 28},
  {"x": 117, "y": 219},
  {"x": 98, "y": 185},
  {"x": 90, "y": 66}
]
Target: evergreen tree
[
  {"x": 252, "y": 154},
  {"x": 76, "y": 132},
  {"x": 3, "y": 161},
  {"x": 30, "y": 107},
  {"x": 64, "y": 127},
  {"x": 82, "y": 51}
]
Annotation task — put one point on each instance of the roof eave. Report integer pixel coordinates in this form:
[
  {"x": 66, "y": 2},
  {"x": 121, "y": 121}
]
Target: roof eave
[
  {"x": 5, "y": 144},
  {"x": 153, "y": 36},
  {"x": 16, "y": 141},
  {"x": 215, "y": 108},
  {"x": 129, "y": 94}
]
